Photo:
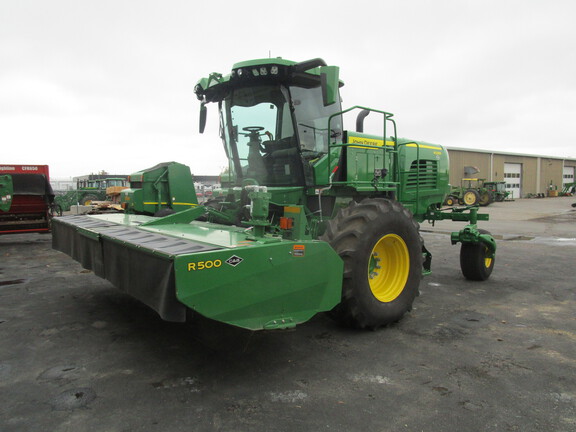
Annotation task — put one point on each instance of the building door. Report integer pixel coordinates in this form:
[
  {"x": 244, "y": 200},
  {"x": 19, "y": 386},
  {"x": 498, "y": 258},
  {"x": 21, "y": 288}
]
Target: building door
[
  {"x": 513, "y": 178},
  {"x": 568, "y": 176}
]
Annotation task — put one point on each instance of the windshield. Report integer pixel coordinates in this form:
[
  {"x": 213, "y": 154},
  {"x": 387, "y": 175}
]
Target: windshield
[
  {"x": 312, "y": 119},
  {"x": 115, "y": 182},
  {"x": 257, "y": 126}
]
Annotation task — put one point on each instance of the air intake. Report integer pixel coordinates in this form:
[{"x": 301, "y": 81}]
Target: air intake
[{"x": 423, "y": 173}]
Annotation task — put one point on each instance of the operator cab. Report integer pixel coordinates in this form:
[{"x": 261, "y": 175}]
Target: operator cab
[{"x": 274, "y": 123}]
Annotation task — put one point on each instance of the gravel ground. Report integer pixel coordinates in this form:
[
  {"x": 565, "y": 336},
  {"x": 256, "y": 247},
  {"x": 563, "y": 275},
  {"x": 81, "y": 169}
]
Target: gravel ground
[{"x": 78, "y": 355}]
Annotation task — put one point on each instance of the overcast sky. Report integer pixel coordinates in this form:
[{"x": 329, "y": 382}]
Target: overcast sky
[{"x": 99, "y": 85}]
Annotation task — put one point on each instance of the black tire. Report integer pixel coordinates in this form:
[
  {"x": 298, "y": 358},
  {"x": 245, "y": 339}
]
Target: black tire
[
  {"x": 376, "y": 295},
  {"x": 164, "y": 212},
  {"x": 485, "y": 199},
  {"x": 451, "y": 200},
  {"x": 471, "y": 197},
  {"x": 474, "y": 263},
  {"x": 87, "y": 199}
]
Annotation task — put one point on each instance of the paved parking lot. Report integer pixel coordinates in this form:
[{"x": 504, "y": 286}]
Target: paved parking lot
[{"x": 78, "y": 355}]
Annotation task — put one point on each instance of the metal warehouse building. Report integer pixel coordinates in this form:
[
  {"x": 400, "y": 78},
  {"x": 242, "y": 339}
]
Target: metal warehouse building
[{"x": 524, "y": 174}]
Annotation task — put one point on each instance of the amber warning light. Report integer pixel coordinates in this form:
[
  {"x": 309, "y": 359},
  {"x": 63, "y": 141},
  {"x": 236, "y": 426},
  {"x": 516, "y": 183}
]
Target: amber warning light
[{"x": 286, "y": 223}]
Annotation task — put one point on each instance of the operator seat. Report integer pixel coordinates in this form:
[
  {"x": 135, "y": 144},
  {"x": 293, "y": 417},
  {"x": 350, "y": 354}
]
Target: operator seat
[{"x": 286, "y": 167}]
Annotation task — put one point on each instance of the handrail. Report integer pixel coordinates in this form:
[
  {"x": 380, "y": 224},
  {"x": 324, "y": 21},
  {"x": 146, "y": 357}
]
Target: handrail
[{"x": 387, "y": 117}]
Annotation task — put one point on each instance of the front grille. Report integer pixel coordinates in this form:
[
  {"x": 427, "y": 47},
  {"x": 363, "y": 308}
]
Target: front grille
[{"x": 423, "y": 173}]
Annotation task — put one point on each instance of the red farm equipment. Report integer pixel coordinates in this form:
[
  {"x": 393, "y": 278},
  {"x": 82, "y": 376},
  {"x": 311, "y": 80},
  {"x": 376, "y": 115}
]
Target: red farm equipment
[{"x": 26, "y": 199}]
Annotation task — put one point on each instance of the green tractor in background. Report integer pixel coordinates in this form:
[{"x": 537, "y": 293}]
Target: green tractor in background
[
  {"x": 471, "y": 192},
  {"x": 310, "y": 217},
  {"x": 497, "y": 189},
  {"x": 89, "y": 189}
]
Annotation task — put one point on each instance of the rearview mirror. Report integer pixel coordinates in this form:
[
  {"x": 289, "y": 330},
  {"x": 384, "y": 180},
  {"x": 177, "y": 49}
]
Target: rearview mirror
[
  {"x": 203, "y": 113},
  {"x": 330, "y": 81}
]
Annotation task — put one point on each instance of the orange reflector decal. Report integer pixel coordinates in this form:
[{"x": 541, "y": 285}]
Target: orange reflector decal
[{"x": 298, "y": 250}]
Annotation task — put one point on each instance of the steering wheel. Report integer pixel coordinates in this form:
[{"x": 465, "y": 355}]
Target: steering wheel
[
  {"x": 255, "y": 136},
  {"x": 253, "y": 128}
]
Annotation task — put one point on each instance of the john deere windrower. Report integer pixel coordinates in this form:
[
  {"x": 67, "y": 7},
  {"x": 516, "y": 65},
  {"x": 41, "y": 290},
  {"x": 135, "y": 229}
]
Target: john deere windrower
[{"x": 310, "y": 217}]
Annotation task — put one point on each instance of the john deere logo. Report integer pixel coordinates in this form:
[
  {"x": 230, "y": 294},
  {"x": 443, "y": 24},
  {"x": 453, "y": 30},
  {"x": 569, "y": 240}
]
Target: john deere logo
[{"x": 234, "y": 260}]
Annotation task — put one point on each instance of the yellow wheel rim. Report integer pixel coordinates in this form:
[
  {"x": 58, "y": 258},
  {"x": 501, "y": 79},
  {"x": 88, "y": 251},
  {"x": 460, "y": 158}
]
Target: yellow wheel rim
[
  {"x": 469, "y": 198},
  {"x": 487, "y": 260},
  {"x": 388, "y": 268}
]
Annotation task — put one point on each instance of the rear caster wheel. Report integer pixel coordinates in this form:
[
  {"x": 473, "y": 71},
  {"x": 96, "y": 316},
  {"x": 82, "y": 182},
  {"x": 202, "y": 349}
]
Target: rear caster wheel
[{"x": 475, "y": 262}]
